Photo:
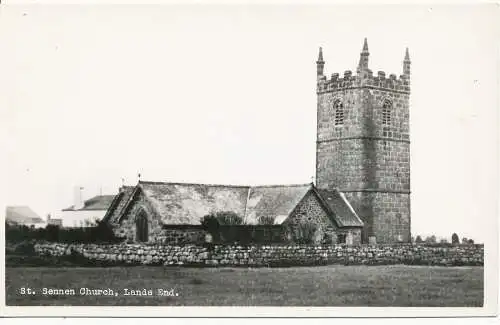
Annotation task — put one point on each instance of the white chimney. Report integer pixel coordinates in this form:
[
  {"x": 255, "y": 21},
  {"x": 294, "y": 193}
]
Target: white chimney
[{"x": 77, "y": 197}]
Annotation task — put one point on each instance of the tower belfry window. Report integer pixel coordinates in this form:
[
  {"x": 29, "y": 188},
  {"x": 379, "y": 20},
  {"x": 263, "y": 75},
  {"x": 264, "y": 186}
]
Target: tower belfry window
[
  {"x": 386, "y": 112},
  {"x": 339, "y": 112}
]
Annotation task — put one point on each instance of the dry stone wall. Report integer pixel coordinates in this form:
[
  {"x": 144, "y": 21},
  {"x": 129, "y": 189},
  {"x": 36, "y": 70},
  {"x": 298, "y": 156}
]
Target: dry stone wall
[
  {"x": 275, "y": 255},
  {"x": 181, "y": 236}
]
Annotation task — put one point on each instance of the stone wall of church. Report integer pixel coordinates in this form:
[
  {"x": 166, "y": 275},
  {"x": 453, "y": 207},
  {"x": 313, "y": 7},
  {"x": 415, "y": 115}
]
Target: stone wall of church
[
  {"x": 364, "y": 158},
  {"x": 387, "y": 215},
  {"x": 364, "y": 163},
  {"x": 127, "y": 227},
  {"x": 310, "y": 210}
]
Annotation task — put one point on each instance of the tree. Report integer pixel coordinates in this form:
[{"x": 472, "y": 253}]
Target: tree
[
  {"x": 212, "y": 222},
  {"x": 418, "y": 239},
  {"x": 304, "y": 233},
  {"x": 327, "y": 238},
  {"x": 228, "y": 218},
  {"x": 431, "y": 239},
  {"x": 464, "y": 240},
  {"x": 455, "y": 239},
  {"x": 209, "y": 221},
  {"x": 266, "y": 220},
  {"x": 211, "y": 225},
  {"x": 470, "y": 241},
  {"x": 52, "y": 233}
]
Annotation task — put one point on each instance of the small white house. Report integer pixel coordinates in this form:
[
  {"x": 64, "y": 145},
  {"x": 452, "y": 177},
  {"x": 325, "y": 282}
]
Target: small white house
[
  {"x": 23, "y": 215},
  {"x": 84, "y": 213}
]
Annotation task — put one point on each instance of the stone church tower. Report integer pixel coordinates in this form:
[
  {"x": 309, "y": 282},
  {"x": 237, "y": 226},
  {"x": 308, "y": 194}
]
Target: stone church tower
[{"x": 363, "y": 145}]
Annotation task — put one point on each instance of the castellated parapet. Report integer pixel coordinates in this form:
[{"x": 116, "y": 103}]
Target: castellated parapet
[
  {"x": 363, "y": 145},
  {"x": 366, "y": 79}
]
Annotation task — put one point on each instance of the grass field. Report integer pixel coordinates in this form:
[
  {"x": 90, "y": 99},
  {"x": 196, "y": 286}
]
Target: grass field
[{"x": 408, "y": 286}]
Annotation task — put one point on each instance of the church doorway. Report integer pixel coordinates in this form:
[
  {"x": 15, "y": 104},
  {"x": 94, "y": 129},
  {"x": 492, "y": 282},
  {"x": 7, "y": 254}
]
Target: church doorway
[{"x": 142, "y": 227}]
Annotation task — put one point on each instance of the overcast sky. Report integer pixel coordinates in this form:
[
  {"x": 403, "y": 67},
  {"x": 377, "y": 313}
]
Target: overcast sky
[{"x": 91, "y": 95}]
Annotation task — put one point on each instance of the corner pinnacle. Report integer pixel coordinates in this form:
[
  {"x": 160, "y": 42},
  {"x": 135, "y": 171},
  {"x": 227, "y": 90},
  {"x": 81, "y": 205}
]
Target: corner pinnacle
[
  {"x": 320, "y": 55},
  {"x": 407, "y": 55},
  {"x": 365, "y": 45}
]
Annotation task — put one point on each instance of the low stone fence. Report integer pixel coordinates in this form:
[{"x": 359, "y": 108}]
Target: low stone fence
[{"x": 275, "y": 255}]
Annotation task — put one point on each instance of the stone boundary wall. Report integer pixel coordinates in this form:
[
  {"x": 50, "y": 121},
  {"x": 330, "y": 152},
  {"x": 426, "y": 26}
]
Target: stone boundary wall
[
  {"x": 172, "y": 236},
  {"x": 275, "y": 255}
]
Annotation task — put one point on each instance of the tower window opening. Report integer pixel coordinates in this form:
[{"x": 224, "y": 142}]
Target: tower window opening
[
  {"x": 386, "y": 113},
  {"x": 339, "y": 112}
]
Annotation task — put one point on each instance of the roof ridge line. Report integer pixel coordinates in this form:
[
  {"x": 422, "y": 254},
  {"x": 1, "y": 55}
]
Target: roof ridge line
[
  {"x": 223, "y": 185},
  {"x": 181, "y": 183},
  {"x": 283, "y": 185}
]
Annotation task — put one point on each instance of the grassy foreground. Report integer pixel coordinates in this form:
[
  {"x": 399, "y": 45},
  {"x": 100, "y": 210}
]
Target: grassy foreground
[{"x": 397, "y": 285}]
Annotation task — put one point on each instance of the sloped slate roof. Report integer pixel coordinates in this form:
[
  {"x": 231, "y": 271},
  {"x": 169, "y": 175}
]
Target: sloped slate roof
[
  {"x": 189, "y": 203},
  {"x": 185, "y": 203},
  {"x": 118, "y": 203},
  {"x": 22, "y": 215},
  {"x": 340, "y": 207},
  {"x": 277, "y": 201},
  {"x": 99, "y": 202}
]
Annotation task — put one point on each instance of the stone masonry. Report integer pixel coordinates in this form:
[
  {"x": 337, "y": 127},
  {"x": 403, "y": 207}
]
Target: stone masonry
[
  {"x": 363, "y": 147},
  {"x": 311, "y": 211},
  {"x": 267, "y": 255},
  {"x": 128, "y": 227}
]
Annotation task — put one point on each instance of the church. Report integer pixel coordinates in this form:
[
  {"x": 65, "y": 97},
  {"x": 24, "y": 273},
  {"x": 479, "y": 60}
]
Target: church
[{"x": 362, "y": 190}]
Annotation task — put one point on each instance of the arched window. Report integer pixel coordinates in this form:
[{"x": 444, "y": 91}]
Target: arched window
[
  {"x": 339, "y": 112},
  {"x": 386, "y": 112},
  {"x": 141, "y": 227}
]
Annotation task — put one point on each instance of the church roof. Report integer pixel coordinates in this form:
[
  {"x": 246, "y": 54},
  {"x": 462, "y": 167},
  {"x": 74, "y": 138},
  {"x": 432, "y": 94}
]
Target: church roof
[
  {"x": 341, "y": 208},
  {"x": 178, "y": 203},
  {"x": 187, "y": 203},
  {"x": 118, "y": 203},
  {"x": 275, "y": 200}
]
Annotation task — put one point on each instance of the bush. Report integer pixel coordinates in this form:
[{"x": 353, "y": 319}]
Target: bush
[
  {"x": 455, "y": 239},
  {"x": 418, "y": 239},
  {"x": 211, "y": 225},
  {"x": 226, "y": 228},
  {"x": 52, "y": 233},
  {"x": 303, "y": 233},
  {"x": 228, "y": 218},
  {"x": 327, "y": 239},
  {"x": 266, "y": 220},
  {"x": 251, "y": 234},
  {"x": 222, "y": 218},
  {"x": 20, "y": 233},
  {"x": 431, "y": 239},
  {"x": 101, "y": 233},
  {"x": 209, "y": 222}
]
